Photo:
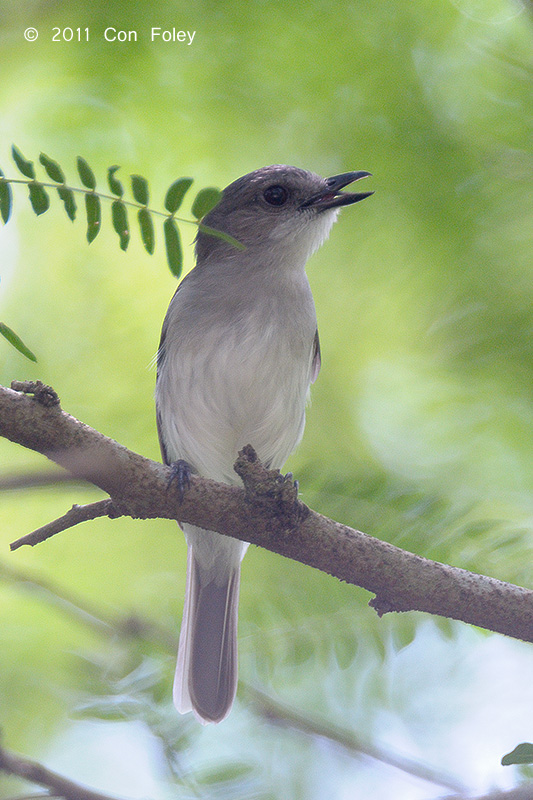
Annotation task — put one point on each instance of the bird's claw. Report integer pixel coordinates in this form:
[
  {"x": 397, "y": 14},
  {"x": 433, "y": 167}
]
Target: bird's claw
[
  {"x": 181, "y": 472},
  {"x": 289, "y": 478}
]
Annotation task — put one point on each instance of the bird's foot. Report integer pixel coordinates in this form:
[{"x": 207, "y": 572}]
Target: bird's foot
[
  {"x": 180, "y": 473},
  {"x": 269, "y": 488},
  {"x": 288, "y": 493},
  {"x": 288, "y": 478}
]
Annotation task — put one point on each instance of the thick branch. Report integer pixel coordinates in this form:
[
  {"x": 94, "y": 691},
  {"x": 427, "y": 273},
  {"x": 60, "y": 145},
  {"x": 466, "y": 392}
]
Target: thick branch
[
  {"x": 265, "y": 513},
  {"x": 32, "y": 771}
]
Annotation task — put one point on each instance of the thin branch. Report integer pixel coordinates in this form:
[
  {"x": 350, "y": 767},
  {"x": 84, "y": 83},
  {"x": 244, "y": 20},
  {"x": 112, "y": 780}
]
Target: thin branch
[
  {"x": 523, "y": 792},
  {"x": 35, "y": 796},
  {"x": 36, "y": 480},
  {"x": 267, "y": 513},
  {"x": 280, "y": 714},
  {"x": 272, "y": 710},
  {"x": 77, "y": 514},
  {"x": 108, "y": 624},
  {"x": 14, "y": 764}
]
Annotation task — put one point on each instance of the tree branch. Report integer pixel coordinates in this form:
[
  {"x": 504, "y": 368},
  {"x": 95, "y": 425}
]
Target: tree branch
[
  {"x": 137, "y": 627},
  {"x": 266, "y": 513},
  {"x": 37, "y": 479},
  {"x": 77, "y": 514},
  {"x": 34, "y": 772},
  {"x": 523, "y": 792},
  {"x": 280, "y": 714},
  {"x": 106, "y": 623}
]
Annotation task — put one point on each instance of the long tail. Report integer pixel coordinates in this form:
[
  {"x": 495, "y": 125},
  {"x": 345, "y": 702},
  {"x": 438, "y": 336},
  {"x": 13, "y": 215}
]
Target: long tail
[{"x": 206, "y": 671}]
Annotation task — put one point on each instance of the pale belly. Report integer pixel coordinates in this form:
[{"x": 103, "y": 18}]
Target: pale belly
[{"x": 214, "y": 401}]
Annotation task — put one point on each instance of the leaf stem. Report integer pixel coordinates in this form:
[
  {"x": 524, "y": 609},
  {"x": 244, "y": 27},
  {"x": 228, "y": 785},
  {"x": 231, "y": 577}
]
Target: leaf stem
[{"x": 79, "y": 190}]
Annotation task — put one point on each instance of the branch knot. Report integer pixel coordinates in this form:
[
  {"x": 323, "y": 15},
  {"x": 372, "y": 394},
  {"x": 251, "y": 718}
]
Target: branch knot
[
  {"x": 42, "y": 393},
  {"x": 268, "y": 490}
]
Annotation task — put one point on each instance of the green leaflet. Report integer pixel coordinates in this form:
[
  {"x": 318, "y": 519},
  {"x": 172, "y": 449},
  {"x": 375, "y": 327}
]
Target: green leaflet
[
  {"x": 94, "y": 215},
  {"x": 221, "y": 235},
  {"x": 119, "y": 217},
  {"x": 6, "y": 198},
  {"x": 16, "y": 341},
  {"x": 205, "y": 200},
  {"x": 173, "y": 247},
  {"x": 67, "y": 196},
  {"x": 86, "y": 174},
  {"x": 25, "y": 166},
  {"x": 139, "y": 186},
  {"x": 53, "y": 170},
  {"x": 147, "y": 230},
  {"x": 176, "y": 193},
  {"x": 40, "y": 202},
  {"x": 114, "y": 184},
  {"x": 522, "y": 754}
]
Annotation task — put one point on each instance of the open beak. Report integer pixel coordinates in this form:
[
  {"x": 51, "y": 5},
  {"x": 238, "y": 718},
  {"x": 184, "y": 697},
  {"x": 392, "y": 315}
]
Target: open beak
[{"x": 332, "y": 197}]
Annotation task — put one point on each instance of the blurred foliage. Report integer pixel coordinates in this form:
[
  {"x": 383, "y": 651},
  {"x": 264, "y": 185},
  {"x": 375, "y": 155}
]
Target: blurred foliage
[{"x": 420, "y": 427}]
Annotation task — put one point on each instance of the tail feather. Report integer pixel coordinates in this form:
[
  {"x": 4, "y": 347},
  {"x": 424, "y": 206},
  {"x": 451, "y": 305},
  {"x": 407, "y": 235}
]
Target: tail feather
[{"x": 206, "y": 671}]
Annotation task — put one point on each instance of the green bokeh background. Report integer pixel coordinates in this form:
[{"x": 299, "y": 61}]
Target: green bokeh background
[{"x": 421, "y": 424}]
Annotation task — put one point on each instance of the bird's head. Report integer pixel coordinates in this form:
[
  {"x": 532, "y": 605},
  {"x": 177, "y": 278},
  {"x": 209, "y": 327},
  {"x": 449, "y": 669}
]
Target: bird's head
[{"x": 278, "y": 207}]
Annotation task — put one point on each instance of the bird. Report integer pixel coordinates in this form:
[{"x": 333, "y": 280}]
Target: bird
[{"x": 239, "y": 350}]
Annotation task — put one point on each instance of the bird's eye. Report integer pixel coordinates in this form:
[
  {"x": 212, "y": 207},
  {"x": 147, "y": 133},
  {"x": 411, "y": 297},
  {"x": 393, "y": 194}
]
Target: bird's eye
[{"x": 276, "y": 195}]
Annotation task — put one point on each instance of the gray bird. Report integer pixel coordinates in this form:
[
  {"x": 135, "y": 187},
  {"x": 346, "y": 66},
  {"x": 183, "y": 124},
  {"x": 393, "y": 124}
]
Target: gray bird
[{"x": 239, "y": 349}]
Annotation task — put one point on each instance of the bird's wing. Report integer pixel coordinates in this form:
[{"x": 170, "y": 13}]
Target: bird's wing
[{"x": 315, "y": 364}]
